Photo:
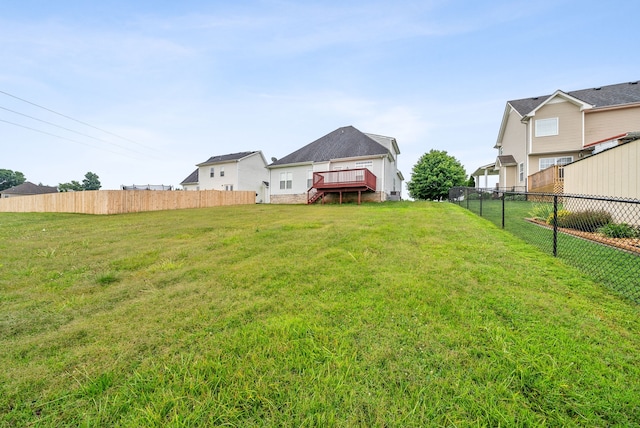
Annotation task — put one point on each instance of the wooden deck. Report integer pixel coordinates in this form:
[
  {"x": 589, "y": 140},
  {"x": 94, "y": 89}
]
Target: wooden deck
[{"x": 343, "y": 181}]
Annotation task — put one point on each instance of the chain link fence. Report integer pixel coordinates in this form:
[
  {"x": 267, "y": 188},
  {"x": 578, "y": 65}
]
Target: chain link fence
[{"x": 598, "y": 235}]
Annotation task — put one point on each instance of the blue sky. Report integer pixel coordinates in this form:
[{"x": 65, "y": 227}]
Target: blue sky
[{"x": 174, "y": 83}]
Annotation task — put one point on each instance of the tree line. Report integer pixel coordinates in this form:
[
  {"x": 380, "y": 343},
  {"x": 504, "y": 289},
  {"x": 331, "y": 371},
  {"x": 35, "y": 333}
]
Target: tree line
[{"x": 9, "y": 178}]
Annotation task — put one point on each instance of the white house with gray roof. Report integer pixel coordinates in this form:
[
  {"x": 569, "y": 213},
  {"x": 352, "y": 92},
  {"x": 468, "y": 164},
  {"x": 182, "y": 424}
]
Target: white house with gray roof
[
  {"x": 233, "y": 171},
  {"x": 344, "y": 165},
  {"x": 553, "y": 130}
]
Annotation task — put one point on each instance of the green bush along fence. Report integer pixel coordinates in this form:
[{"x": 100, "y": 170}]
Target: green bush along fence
[{"x": 598, "y": 235}]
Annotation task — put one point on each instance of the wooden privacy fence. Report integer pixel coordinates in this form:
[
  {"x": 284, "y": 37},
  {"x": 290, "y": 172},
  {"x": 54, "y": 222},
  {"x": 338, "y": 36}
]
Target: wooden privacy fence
[{"x": 124, "y": 201}]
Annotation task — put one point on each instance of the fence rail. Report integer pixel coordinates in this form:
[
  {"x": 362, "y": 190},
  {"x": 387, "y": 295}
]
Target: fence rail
[
  {"x": 598, "y": 235},
  {"x": 124, "y": 201}
]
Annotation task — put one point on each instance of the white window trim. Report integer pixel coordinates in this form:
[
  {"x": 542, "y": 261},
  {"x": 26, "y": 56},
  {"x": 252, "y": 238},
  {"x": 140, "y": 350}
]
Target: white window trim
[
  {"x": 286, "y": 180},
  {"x": 547, "y": 127},
  {"x": 555, "y": 160},
  {"x": 521, "y": 171}
]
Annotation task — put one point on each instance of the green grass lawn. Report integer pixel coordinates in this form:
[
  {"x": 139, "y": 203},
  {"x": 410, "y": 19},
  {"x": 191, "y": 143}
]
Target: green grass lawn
[
  {"x": 402, "y": 314},
  {"x": 618, "y": 270}
]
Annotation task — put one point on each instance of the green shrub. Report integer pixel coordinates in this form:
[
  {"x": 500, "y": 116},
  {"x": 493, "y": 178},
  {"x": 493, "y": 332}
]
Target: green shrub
[
  {"x": 562, "y": 214},
  {"x": 619, "y": 230},
  {"x": 543, "y": 211},
  {"x": 586, "y": 221}
]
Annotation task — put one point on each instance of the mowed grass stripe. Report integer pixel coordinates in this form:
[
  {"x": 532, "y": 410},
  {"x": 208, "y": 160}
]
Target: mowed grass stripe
[{"x": 403, "y": 314}]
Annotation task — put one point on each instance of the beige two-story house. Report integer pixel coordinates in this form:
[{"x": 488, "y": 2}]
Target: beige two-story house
[{"x": 540, "y": 132}]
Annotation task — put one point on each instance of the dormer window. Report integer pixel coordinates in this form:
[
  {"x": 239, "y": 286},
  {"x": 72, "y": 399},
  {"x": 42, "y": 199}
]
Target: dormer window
[{"x": 547, "y": 127}]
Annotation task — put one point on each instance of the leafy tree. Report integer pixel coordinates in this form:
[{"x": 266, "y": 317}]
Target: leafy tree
[
  {"x": 435, "y": 173},
  {"x": 91, "y": 181},
  {"x": 73, "y": 186},
  {"x": 471, "y": 182},
  {"x": 10, "y": 178}
]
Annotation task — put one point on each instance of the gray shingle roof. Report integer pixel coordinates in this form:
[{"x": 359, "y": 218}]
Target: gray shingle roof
[
  {"x": 507, "y": 160},
  {"x": 28, "y": 188},
  {"x": 226, "y": 158},
  {"x": 604, "y": 96},
  {"x": 345, "y": 142},
  {"x": 193, "y": 178}
]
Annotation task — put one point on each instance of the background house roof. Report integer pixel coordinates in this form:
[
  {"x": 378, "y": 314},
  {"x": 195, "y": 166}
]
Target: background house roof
[
  {"x": 28, "y": 188},
  {"x": 226, "y": 158},
  {"x": 604, "y": 96},
  {"x": 193, "y": 178},
  {"x": 345, "y": 142}
]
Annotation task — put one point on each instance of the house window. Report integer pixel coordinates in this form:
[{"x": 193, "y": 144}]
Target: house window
[
  {"x": 309, "y": 179},
  {"x": 212, "y": 172},
  {"x": 521, "y": 171},
  {"x": 222, "y": 172},
  {"x": 286, "y": 180},
  {"x": 547, "y": 127},
  {"x": 364, "y": 164},
  {"x": 549, "y": 162},
  {"x": 228, "y": 187}
]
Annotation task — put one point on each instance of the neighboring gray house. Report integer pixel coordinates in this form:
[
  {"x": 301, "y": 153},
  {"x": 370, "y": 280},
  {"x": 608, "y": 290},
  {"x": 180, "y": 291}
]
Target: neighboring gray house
[
  {"x": 345, "y": 163},
  {"x": 27, "y": 188},
  {"x": 234, "y": 171}
]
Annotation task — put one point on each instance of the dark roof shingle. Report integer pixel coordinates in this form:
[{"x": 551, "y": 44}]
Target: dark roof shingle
[
  {"x": 28, "y": 188},
  {"x": 604, "y": 96},
  {"x": 226, "y": 158},
  {"x": 345, "y": 142},
  {"x": 193, "y": 178},
  {"x": 507, "y": 160}
]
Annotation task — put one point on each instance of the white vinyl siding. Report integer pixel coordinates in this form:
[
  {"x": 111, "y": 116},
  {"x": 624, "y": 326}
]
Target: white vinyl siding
[{"x": 547, "y": 127}]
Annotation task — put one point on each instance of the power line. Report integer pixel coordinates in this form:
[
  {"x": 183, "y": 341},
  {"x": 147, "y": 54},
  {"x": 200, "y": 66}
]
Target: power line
[
  {"x": 67, "y": 129},
  {"x": 63, "y": 138},
  {"x": 75, "y": 120}
]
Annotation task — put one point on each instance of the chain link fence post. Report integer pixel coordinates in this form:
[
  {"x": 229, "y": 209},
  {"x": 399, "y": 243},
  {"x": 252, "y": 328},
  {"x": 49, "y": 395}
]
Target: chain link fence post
[
  {"x": 502, "y": 209},
  {"x": 555, "y": 225}
]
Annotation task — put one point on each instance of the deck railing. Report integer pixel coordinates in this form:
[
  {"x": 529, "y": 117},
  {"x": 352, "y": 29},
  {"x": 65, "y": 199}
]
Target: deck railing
[
  {"x": 347, "y": 178},
  {"x": 549, "y": 180}
]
